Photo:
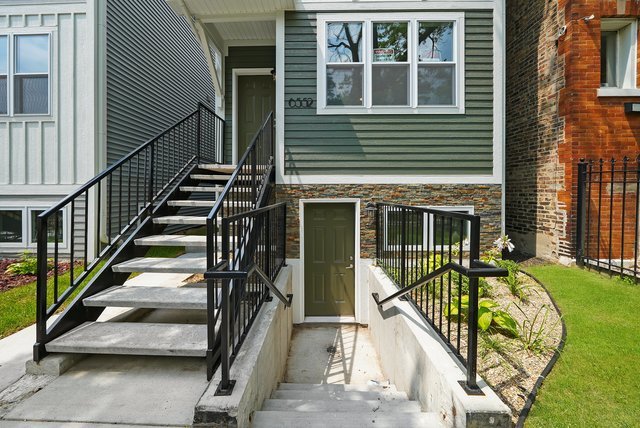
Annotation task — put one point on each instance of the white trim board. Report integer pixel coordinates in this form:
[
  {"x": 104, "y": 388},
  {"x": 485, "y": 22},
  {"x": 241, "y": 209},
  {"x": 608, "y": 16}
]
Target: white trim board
[
  {"x": 299, "y": 292},
  {"x": 234, "y": 105}
]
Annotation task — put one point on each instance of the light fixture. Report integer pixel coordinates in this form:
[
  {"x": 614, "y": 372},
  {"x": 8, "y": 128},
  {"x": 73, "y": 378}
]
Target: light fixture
[
  {"x": 273, "y": 74},
  {"x": 370, "y": 209},
  {"x": 588, "y": 18}
]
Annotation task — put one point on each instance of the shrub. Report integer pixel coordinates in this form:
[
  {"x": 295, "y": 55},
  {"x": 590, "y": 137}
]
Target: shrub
[
  {"x": 534, "y": 332},
  {"x": 490, "y": 316},
  {"x": 26, "y": 265},
  {"x": 516, "y": 286}
]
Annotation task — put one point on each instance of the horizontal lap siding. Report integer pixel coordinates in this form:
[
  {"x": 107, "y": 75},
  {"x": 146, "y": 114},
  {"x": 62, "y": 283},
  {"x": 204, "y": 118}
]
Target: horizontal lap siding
[
  {"x": 156, "y": 73},
  {"x": 389, "y": 144}
]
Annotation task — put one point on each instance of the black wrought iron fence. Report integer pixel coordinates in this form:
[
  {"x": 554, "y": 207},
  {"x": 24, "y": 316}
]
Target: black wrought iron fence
[
  {"x": 90, "y": 225},
  {"x": 608, "y": 210},
  {"x": 433, "y": 257}
]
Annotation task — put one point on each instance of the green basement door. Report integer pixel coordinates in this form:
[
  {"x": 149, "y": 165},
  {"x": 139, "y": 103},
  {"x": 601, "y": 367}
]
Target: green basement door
[
  {"x": 256, "y": 99},
  {"x": 329, "y": 258}
]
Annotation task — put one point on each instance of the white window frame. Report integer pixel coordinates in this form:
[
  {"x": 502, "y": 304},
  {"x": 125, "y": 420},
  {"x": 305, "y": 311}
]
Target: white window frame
[
  {"x": 413, "y": 19},
  {"x": 26, "y": 227},
  {"x": 11, "y": 71},
  {"x": 65, "y": 228},
  {"x": 6, "y": 75},
  {"x": 23, "y": 243},
  {"x": 626, "y": 57},
  {"x": 466, "y": 209}
]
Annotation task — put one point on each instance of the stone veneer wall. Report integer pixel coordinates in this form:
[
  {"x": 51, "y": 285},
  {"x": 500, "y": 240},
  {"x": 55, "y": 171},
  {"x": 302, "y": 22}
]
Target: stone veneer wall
[{"x": 486, "y": 199}]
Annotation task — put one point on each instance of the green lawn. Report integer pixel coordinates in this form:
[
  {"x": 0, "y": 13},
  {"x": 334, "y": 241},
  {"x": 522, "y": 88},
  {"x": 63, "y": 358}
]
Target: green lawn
[
  {"x": 18, "y": 305},
  {"x": 595, "y": 381}
]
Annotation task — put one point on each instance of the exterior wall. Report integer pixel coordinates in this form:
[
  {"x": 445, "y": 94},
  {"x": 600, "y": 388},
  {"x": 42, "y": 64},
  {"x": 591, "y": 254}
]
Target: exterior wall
[
  {"x": 569, "y": 111},
  {"x": 388, "y": 144},
  {"x": 486, "y": 199},
  {"x": 156, "y": 73},
  {"x": 241, "y": 57}
]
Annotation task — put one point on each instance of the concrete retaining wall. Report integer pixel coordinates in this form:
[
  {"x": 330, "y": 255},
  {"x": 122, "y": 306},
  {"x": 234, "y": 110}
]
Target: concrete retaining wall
[
  {"x": 257, "y": 369},
  {"x": 418, "y": 362}
]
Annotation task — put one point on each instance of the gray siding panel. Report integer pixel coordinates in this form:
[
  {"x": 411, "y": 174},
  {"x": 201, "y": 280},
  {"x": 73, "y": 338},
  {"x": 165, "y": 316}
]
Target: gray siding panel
[
  {"x": 156, "y": 73},
  {"x": 242, "y": 57},
  {"x": 389, "y": 144}
]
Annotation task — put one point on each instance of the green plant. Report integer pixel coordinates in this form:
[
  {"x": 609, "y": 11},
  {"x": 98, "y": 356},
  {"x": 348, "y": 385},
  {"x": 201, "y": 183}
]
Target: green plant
[
  {"x": 26, "y": 265},
  {"x": 513, "y": 281},
  {"x": 490, "y": 316},
  {"x": 535, "y": 332}
]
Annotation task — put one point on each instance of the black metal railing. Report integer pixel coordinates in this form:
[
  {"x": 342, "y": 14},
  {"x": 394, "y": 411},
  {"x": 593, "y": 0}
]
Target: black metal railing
[
  {"x": 433, "y": 257},
  {"x": 608, "y": 206},
  {"x": 93, "y": 223},
  {"x": 253, "y": 248}
]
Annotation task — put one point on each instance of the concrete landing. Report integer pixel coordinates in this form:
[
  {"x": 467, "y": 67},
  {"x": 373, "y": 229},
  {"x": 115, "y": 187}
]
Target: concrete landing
[{"x": 332, "y": 353}]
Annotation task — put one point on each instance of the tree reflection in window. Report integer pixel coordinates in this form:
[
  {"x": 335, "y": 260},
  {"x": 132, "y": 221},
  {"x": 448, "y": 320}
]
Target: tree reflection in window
[
  {"x": 390, "y": 41},
  {"x": 344, "y": 42},
  {"x": 345, "y": 69},
  {"x": 435, "y": 41}
]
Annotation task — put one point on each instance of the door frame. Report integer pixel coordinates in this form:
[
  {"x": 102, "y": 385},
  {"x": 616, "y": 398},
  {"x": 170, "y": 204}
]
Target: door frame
[
  {"x": 356, "y": 262},
  {"x": 234, "y": 103}
]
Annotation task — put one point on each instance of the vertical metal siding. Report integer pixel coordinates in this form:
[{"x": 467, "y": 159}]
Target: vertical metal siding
[
  {"x": 389, "y": 144},
  {"x": 156, "y": 72}
]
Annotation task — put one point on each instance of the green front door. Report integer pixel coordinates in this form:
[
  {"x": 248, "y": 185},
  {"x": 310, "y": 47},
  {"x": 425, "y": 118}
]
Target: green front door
[
  {"x": 329, "y": 259},
  {"x": 256, "y": 99}
]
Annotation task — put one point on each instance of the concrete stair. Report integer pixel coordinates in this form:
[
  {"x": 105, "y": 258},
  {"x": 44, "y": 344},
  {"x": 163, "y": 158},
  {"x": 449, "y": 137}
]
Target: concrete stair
[
  {"x": 210, "y": 177},
  {"x": 341, "y": 405},
  {"x": 198, "y": 241},
  {"x": 195, "y": 263},
  {"x": 224, "y": 169},
  {"x": 181, "y": 219},
  {"x": 202, "y": 189},
  {"x": 121, "y": 296},
  {"x": 191, "y": 203}
]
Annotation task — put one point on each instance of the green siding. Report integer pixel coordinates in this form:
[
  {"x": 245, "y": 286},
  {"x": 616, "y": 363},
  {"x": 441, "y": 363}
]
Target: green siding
[
  {"x": 242, "y": 57},
  {"x": 389, "y": 144}
]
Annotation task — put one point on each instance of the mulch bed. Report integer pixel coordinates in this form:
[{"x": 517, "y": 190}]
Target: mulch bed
[{"x": 8, "y": 281}]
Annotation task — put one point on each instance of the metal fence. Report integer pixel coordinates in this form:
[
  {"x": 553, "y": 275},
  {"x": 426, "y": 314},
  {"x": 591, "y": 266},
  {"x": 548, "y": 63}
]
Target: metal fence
[{"x": 607, "y": 215}]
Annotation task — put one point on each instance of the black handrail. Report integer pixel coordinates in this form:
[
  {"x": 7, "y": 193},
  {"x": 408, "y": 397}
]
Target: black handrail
[
  {"x": 103, "y": 214},
  {"x": 433, "y": 256}
]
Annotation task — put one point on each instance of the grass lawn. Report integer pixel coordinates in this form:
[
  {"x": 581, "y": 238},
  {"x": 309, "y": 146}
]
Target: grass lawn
[
  {"x": 18, "y": 305},
  {"x": 595, "y": 381}
]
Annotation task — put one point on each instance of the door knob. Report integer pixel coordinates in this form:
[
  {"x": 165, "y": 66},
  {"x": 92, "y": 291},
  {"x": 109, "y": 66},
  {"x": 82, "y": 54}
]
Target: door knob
[{"x": 350, "y": 266}]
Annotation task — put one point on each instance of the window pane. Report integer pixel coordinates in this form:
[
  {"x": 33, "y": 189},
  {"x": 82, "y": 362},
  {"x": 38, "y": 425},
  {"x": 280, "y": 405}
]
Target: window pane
[
  {"x": 443, "y": 226},
  {"x": 344, "y": 85},
  {"x": 51, "y": 231},
  {"x": 3, "y": 94},
  {"x": 31, "y": 94},
  {"x": 32, "y": 54},
  {"x": 344, "y": 42},
  {"x": 608, "y": 59},
  {"x": 390, "y": 85},
  {"x": 435, "y": 41},
  {"x": 390, "y": 41},
  {"x": 436, "y": 85},
  {"x": 414, "y": 228},
  {"x": 4, "y": 43},
  {"x": 11, "y": 226}
]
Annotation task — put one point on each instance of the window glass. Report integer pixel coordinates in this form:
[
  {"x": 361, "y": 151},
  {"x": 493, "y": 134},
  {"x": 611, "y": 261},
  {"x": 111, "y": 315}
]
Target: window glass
[
  {"x": 414, "y": 228},
  {"x": 31, "y": 94},
  {"x": 344, "y": 42},
  {"x": 51, "y": 231},
  {"x": 435, "y": 41},
  {"x": 345, "y": 85},
  {"x": 10, "y": 226},
  {"x": 32, "y": 54},
  {"x": 4, "y": 50},
  {"x": 390, "y": 41},
  {"x": 609, "y": 59},
  {"x": 390, "y": 85},
  {"x": 436, "y": 85},
  {"x": 442, "y": 226}
]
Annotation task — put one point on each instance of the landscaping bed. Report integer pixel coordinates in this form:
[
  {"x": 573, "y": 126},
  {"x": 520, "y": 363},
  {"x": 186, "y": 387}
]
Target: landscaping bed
[{"x": 9, "y": 281}]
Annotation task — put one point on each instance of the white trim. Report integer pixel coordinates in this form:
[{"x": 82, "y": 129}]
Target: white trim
[
  {"x": 618, "y": 92},
  {"x": 499, "y": 103},
  {"x": 23, "y": 242},
  {"x": 349, "y": 5},
  {"x": 234, "y": 105},
  {"x": 383, "y": 179},
  {"x": 248, "y": 42},
  {"x": 626, "y": 55},
  {"x": 280, "y": 93},
  {"x": 356, "y": 262},
  {"x": 26, "y": 210},
  {"x": 412, "y": 62}
]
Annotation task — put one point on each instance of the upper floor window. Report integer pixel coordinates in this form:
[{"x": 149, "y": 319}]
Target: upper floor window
[
  {"x": 24, "y": 74},
  {"x": 391, "y": 63},
  {"x": 618, "y": 55}
]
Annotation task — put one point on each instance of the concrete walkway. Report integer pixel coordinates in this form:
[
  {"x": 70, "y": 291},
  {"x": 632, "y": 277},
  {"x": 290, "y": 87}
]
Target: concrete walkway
[{"x": 101, "y": 390}]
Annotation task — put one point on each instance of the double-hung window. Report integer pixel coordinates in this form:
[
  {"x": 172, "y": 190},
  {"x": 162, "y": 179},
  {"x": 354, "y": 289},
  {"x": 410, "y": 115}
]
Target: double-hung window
[
  {"x": 391, "y": 63},
  {"x": 618, "y": 57},
  {"x": 24, "y": 74}
]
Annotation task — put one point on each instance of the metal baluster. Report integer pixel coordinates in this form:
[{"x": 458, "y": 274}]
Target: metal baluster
[
  {"x": 624, "y": 209},
  {"x": 611, "y": 196}
]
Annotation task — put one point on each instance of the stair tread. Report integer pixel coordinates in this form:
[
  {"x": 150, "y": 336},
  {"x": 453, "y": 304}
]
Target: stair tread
[
  {"x": 345, "y": 419},
  {"x": 211, "y": 189},
  {"x": 180, "y": 219},
  {"x": 191, "y": 203},
  {"x": 150, "y": 297},
  {"x": 189, "y": 263},
  {"x": 340, "y": 395},
  {"x": 211, "y": 177},
  {"x": 334, "y": 387},
  {"x": 128, "y": 338},
  {"x": 217, "y": 167},
  {"x": 173, "y": 240},
  {"x": 302, "y": 405}
]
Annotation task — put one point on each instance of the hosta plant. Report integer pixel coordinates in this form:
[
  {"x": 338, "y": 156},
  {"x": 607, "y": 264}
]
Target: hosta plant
[{"x": 490, "y": 316}]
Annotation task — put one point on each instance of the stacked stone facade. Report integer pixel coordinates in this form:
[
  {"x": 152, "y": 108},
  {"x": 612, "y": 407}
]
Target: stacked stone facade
[
  {"x": 486, "y": 200},
  {"x": 555, "y": 117}
]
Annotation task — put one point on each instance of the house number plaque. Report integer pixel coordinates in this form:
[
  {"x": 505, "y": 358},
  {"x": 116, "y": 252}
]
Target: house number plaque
[{"x": 300, "y": 102}]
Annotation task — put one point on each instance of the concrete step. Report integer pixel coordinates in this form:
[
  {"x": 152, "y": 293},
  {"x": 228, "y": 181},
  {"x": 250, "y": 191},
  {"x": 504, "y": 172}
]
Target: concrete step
[
  {"x": 335, "y": 387},
  {"x": 181, "y": 219},
  {"x": 203, "y": 189},
  {"x": 340, "y": 395},
  {"x": 211, "y": 177},
  {"x": 174, "y": 241},
  {"x": 189, "y": 263},
  {"x": 191, "y": 203},
  {"x": 127, "y": 338},
  {"x": 341, "y": 406},
  {"x": 279, "y": 419},
  {"x": 150, "y": 298},
  {"x": 218, "y": 167}
]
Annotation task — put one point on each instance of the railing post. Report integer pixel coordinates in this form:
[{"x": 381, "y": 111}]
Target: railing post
[
  {"x": 377, "y": 219},
  {"x": 41, "y": 291},
  {"x": 151, "y": 174},
  {"x": 226, "y": 384},
  {"x": 199, "y": 132},
  {"x": 471, "y": 385},
  {"x": 403, "y": 247},
  {"x": 254, "y": 174},
  {"x": 580, "y": 220}
]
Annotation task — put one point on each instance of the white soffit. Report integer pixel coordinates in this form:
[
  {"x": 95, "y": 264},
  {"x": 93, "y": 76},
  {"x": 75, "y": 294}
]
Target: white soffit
[{"x": 260, "y": 30}]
